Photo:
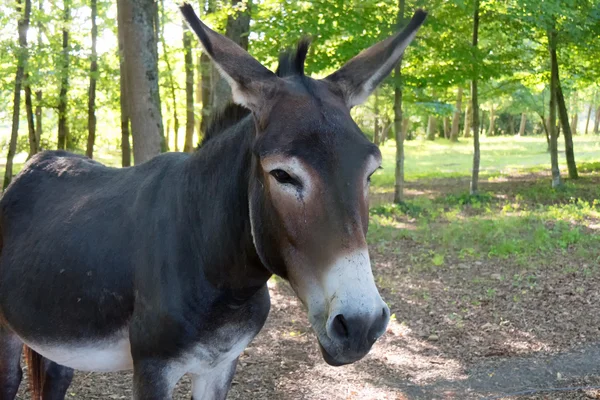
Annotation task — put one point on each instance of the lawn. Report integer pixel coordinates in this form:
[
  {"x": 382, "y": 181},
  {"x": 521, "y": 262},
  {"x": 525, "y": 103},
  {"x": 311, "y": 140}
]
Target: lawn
[{"x": 499, "y": 156}]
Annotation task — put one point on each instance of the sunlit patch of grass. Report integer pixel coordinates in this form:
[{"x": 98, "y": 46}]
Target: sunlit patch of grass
[{"x": 500, "y": 156}]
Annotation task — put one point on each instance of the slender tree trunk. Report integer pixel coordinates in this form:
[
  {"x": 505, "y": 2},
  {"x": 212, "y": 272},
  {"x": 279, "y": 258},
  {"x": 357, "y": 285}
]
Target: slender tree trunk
[
  {"x": 511, "y": 125},
  {"x": 446, "y": 127},
  {"x": 92, "y": 90},
  {"x": 456, "y": 117},
  {"x": 597, "y": 121},
  {"x": 564, "y": 120},
  {"x": 492, "y": 122},
  {"x": 189, "y": 90},
  {"x": 142, "y": 78},
  {"x": 170, "y": 79},
  {"x": 574, "y": 115},
  {"x": 475, "y": 106},
  {"x": 523, "y": 124},
  {"x": 399, "y": 121},
  {"x": 38, "y": 93},
  {"x": 64, "y": 79},
  {"x": 38, "y": 119},
  {"x": 556, "y": 179},
  {"x": 481, "y": 122},
  {"x": 545, "y": 127},
  {"x": 587, "y": 121},
  {"x": 376, "y": 126},
  {"x": 33, "y": 143},
  {"x": 431, "y": 125},
  {"x": 123, "y": 99},
  {"x": 468, "y": 119},
  {"x": 22, "y": 26}
]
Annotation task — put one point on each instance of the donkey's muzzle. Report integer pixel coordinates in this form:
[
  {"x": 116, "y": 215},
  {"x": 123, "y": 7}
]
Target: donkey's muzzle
[{"x": 351, "y": 335}]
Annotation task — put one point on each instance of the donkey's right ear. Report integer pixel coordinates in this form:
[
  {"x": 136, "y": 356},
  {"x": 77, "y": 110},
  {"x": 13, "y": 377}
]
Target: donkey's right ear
[{"x": 251, "y": 82}]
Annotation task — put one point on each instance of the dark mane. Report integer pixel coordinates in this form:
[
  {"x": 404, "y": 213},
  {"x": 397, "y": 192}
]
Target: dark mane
[
  {"x": 226, "y": 118},
  {"x": 291, "y": 62}
]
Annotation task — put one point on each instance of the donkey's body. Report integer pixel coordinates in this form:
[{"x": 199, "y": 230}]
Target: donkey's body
[
  {"x": 163, "y": 267},
  {"x": 135, "y": 260}
]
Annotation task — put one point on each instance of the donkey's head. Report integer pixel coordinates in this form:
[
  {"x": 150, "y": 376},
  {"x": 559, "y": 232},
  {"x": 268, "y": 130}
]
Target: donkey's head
[{"x": 309, "y": 182}]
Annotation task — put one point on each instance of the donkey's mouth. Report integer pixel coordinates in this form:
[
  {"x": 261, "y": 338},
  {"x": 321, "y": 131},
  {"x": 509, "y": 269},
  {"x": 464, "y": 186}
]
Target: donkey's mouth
[{"x": 329, "y": 359}]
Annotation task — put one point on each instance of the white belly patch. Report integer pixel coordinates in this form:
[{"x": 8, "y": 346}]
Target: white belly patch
[{"x": 106, "y": 355}]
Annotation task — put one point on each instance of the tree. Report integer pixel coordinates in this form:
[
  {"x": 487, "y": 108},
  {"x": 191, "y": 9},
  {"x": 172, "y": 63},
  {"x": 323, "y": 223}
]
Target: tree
[
  {"x": 399, "y": 130},
  {"x": 140, "y": 58},
  {"x": 552, "y": 37},
  {"x": 123, "y": 96},
  {"x": 64, "y": 80},
  {"x": 475, "y": 104},
  {"x": 564, "y": 120},
  {"x": 170, "y": 81},
  {"x": 189, "y": 90},
  {"x": 456, "y": 117},
  {"x": 23, "y": 27},
  {"x": 92, "y": 90}
]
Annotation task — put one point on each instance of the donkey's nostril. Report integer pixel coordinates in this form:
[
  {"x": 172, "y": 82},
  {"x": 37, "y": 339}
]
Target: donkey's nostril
[{"x": 340, "y": 327}]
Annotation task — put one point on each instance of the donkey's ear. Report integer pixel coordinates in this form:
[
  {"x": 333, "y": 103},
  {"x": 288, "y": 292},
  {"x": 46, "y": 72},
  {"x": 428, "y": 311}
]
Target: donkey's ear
[
  {"x": 361, "y": 75},
  {"x": 250, "y": 81}
]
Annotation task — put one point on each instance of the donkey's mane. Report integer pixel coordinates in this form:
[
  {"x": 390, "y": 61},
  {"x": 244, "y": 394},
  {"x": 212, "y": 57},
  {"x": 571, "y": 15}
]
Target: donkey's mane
[
  {"x": 291, "y": 63},
  {"x": 226, "y": 118}
]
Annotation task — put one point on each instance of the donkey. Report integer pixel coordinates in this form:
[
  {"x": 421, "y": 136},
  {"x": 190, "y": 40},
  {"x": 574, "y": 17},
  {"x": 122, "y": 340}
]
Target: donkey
[{"x": 162, "y": 267}]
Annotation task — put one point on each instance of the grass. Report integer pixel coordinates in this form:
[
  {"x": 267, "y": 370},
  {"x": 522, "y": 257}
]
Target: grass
[{"x": 499, "y": 156}]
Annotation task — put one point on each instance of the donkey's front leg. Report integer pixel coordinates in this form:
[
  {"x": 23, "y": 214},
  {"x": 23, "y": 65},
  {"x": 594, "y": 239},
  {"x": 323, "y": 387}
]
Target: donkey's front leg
[
  {"x": 154, "y": 379},
  {"x": 213, "y": 384}
]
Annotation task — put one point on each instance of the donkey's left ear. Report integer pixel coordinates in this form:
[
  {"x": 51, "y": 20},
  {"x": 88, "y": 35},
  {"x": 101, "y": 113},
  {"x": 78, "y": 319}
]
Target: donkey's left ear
[
  {"x": 361, "y": 75},
  {"x": 251, "y": 82}
]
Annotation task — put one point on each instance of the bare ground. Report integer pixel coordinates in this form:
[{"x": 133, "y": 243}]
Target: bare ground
[{"x": 476, "y": 328}]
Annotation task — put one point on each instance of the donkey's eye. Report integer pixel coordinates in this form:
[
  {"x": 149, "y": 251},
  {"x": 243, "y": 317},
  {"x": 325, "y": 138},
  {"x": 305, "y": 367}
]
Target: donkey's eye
[{"x": 284, "y": 178}]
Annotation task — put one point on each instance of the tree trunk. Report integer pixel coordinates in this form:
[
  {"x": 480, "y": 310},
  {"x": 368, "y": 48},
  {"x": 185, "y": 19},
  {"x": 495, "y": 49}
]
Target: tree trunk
[
  {"x": 123, "y": 98},
  {"x": 545, "y": 127},
  {"x": 170, "y": 79},
  {"x": 492, "y": 122},
  {"x": 376, "y": 127},
  {"x": 475, "y": 106},
  {"x": 91, "y": 140},
  {"x": 399, "y": 122},
  {"x": 431, "y": 128},
  {"x": 447, "y": 127},
  {"x": 564, "y": 120},
  {"x": 468, "y": 119},
  {"x": 556, "y": 179},
  {"x": 38, "y": 93},
  {"x": 142, "y": 78},
  {"x": 511, "y": 125},
  {"x": 587, "y": 121},
  {"x": 523, "y": 124},
  {"x": 189, "y": 90},
  {"x": 33, "y": 143},
  {"x": 574, "y": 116},
  {"x": 456, "y": 117},
  {"x": 22, "y": 26},
  {"x": 597, "y": 121},
  {"x": 481, "y": 122},
  {"x": 64, "y": 79}
]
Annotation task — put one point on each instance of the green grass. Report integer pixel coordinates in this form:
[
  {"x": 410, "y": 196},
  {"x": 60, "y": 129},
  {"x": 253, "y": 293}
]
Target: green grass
[{"x": 499, "y": 156}]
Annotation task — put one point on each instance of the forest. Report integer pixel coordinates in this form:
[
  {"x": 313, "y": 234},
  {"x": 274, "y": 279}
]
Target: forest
[{"x": 485, "y": 219}]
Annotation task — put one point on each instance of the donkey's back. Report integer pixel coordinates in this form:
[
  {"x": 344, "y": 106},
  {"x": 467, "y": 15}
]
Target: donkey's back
[{"x": 71, "y": 229}]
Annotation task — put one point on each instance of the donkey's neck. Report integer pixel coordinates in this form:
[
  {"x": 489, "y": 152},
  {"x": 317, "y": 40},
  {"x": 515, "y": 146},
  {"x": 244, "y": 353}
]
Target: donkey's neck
[{"x": 217, "y": 178}]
